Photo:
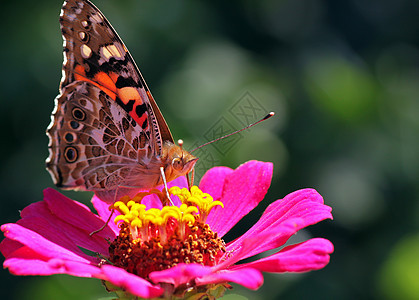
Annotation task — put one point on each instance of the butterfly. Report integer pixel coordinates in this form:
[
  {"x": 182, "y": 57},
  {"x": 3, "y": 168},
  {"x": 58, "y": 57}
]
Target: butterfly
[{"x": 106, "y": 130}]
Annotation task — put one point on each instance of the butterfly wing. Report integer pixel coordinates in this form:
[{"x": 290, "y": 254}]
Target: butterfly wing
[
  {"x": 94, "y": 52},
  {"x": 106, "y": 127}
]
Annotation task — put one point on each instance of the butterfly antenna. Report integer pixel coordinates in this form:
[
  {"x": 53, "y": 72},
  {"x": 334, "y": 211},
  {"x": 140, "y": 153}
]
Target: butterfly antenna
[{"x": 271, "y": 114}]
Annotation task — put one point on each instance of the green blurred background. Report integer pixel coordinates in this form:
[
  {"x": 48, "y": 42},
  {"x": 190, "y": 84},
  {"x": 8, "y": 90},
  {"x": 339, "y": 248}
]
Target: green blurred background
[{"x": 342, "y": 77}]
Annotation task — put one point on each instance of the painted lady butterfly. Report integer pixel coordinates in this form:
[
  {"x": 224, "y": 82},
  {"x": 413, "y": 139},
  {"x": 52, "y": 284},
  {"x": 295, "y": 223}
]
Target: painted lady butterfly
[{"x": 107, "y": 131}]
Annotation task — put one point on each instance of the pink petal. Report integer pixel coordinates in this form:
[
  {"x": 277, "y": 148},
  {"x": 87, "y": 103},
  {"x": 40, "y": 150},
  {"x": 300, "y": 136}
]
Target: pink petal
[
  {"x": 307, "y": 256},
  {"x": 282, "y": 219},
  {"x": 52, "y": 223},
  {"x": 65, "y": 235},
  {"x": 180, "y": 182},
  {"x": 152, "y": 201},
  {"x": 213, "y": 181},
  {"x": 21, "y": 266},
  {"x": 247, "y": 277},
  {"x": 180, "y": 274},
  {"x": 240, "y": 191},
  {"x": 250, "y": 246},
  {"x": 295, "y": 200},
  {"x": 22, "y": 251},
  {"x": 133, "y": 284},
  {"x": 75, "y": 213},
  {"x": 8, "y": 246},
  {"x": 22, "y": 260},
  {"x": 42, "y": 245}
]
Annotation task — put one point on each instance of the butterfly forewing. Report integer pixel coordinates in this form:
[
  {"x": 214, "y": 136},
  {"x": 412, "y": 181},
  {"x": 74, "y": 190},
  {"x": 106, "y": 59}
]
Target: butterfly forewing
[
  {"x": 94, "y": 53},
  {"x": 97, "y": 143},
  {"x": 106, "y": 131}
]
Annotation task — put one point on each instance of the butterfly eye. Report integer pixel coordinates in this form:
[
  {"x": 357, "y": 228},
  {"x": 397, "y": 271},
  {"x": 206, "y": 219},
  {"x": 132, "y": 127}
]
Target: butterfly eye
[{"x": 177, "y": 164}]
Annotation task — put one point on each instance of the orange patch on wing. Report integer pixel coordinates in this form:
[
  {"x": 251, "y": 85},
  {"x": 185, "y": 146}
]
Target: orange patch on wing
[
  {"x": 79, "y": 71},
  {"x": 80, "y": 74},
  {"x": 104, "y": 80},
  {"x": 113, "y": 76},
  {"x": 129, "y": 93}
]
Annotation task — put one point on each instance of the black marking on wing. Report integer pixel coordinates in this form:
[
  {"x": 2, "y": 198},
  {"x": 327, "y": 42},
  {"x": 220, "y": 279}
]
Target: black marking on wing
[
  {"x": 123, "y": 82},
  {"x": 127, "y": 107}
]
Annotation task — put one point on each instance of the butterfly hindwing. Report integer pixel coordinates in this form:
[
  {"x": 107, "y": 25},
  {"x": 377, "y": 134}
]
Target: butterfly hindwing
[{"x": 96, "y": 142}]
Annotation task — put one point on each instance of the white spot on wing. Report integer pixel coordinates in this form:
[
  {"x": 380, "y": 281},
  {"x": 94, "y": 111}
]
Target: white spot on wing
[
  {"x": 82, "y": 35},
  {"x": 86, "y": 52},
  {"x": 84, "y": 23},
  {"x": 111, "y": 51}
]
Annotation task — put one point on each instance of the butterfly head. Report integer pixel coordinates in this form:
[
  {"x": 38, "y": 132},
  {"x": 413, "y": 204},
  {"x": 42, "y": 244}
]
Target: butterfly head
[{"x": 179, "y": 162}]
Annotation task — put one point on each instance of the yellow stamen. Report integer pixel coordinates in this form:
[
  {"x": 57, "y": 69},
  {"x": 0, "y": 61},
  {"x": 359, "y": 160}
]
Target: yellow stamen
[
  {"x": 203, "y": 201},
  {"x": 145, "y": 223}
]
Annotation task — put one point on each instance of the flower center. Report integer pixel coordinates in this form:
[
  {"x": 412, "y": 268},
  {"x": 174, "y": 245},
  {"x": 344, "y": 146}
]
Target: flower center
[{"x": 157, "y": 239}]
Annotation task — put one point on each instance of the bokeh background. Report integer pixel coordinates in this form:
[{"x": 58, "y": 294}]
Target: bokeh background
[{"x": 342, "y": 77}]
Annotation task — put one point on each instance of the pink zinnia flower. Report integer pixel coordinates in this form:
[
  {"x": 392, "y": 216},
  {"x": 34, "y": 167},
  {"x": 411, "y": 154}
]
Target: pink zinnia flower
[{"x": 50, "y": 235}]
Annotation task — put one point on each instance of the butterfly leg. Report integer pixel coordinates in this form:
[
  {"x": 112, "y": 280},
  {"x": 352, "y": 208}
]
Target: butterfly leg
[
  {"x": 104, "y": 225},
  {"x": 165, "y": 185},
  {"x": 110, "y": 216}
]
